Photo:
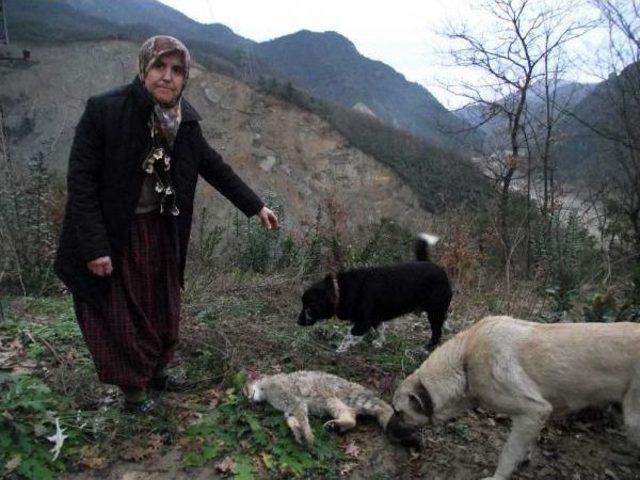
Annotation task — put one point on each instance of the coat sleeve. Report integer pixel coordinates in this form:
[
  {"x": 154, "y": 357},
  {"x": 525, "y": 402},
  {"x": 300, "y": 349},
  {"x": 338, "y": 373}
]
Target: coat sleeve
[
  {"x": 222, "y": 177},
  {"x": 83, "y": 185}
]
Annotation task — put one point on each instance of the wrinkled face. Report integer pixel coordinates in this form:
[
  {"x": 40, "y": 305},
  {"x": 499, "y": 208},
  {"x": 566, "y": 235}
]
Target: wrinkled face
[
  {"x": 412, "y": 408},
  {"x": 165, "y": 78},
  {"x": 317, "y": 303}
]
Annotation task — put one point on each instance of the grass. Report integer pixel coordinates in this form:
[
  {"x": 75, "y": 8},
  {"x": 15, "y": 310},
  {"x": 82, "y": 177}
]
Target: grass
[{"x": 233, "y": 329}]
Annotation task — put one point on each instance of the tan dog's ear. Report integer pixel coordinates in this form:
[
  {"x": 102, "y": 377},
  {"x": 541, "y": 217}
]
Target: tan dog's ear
[{"x": 423, "y": 400}]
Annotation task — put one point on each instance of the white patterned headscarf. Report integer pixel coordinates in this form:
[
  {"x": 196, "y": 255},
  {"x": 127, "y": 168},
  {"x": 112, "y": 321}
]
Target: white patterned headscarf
[
  {"x": 166, "y": 118},
  {"x": 154, "y": 47}
]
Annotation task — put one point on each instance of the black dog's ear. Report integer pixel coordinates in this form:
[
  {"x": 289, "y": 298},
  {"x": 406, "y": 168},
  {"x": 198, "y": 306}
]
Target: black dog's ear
[{"x": 422, "y": 397}]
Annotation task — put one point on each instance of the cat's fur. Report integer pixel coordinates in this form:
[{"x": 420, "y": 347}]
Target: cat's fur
[{"x": 303, "y": 393}]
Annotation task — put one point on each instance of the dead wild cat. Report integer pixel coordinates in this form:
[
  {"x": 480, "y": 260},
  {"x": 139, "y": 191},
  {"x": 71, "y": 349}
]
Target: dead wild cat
[{"x": 301, "y": 393}]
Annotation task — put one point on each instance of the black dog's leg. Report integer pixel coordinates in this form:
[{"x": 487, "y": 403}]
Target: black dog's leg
[
  {"x": 360, "y": 329},
  {"x": 436, "y": 320},
  {"x": 364, "y": 319}
]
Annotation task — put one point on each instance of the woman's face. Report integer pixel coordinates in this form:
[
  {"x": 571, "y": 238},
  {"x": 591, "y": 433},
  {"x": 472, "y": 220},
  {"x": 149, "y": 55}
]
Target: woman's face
[{"x": 165, "y": 78}]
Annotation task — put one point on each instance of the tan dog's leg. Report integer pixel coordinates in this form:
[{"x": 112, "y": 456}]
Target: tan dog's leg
[
  {"x": 344, "y": 417},
  {"x": 524, "y": 432},
  {"x": 514, "y": 392},
  {"x": 631, "y": 408}
]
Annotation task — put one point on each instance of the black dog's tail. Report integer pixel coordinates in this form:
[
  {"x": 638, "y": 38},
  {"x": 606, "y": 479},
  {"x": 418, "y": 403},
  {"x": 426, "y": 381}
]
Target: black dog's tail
[{"x": 422, "y": 246}]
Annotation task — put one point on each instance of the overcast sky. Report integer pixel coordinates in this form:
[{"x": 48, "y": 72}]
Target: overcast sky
[{"x": 401, "y": 33}]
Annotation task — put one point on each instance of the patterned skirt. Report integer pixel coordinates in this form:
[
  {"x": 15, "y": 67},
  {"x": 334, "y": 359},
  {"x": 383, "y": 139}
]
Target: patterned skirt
[{"x": 134, "y": 333}]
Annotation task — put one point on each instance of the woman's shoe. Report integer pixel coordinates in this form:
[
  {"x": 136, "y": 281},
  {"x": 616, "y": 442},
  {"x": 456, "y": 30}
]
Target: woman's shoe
[
  {"x": 168, "y": 383},
  {"x": 144, "y": 407}
]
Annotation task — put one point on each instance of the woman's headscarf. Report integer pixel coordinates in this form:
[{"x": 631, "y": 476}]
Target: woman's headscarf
[
  {"x": 166, "y": 118},
  {"x": 155, "y": 47}
]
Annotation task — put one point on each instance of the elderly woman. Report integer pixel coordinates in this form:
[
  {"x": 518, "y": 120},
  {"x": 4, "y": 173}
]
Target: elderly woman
[{"x": 133, "y": 167}]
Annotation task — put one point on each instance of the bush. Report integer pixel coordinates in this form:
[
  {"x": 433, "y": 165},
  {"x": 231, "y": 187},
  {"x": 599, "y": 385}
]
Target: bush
[
  {"x": 561, "y": 250},
  {"x": 601, "y": 307},
  {"x": 28, "y": 200}
]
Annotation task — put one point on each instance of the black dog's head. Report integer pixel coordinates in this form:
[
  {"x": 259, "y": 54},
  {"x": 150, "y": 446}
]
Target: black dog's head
[{"x": 318, "y": 302}]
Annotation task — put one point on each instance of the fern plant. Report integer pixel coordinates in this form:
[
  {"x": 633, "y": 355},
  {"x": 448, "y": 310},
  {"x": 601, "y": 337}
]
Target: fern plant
[{"x": 26, "y": 416}]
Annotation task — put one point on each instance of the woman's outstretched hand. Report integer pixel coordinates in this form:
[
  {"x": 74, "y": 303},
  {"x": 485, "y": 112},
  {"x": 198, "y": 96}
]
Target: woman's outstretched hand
[{"x": 268, "y": 218}]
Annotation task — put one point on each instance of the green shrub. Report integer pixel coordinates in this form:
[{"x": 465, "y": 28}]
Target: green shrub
[
  {"x": 27, "y": 232},
  {"x": 560, "y": 250},
  {"x": 601, "y": 307}
]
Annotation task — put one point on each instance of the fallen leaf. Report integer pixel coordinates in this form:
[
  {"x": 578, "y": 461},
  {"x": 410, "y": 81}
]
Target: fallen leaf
[
  {"x": 134, "y": 453},
  {"x": 93, "y": 462},
  {"x": 13, "y": 463},
  {"x": 267, "y": 460},
  {"x": 352, "y": 450},
  {"x": 346, "y": 469},
  {"x": 135, "y": 476},
  {"x": 212, "y": 397},
  {"x": 141, "y": 448},
  {"x": 190, "y": 444},
  {"x": 11, "y": 352},
  {"x": 155, "y": 442},
  {"x": 39, "y": 430},
  {"x": 225, "y": 466},
  {"x": 16, "y": 346}
]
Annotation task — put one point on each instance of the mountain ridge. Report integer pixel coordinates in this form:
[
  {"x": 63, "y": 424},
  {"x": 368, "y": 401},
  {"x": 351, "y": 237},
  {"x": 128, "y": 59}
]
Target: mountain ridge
[{"x": 329, "y": 66}]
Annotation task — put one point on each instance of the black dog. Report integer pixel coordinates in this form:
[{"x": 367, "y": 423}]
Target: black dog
[{"x": 369, "y": 296}]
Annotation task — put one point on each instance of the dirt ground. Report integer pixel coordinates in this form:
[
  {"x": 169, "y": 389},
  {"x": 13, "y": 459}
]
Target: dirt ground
[{"x": 587, "y": 446}]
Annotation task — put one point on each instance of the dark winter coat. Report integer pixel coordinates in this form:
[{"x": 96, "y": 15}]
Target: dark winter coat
[{"x": 105, "y": 178}]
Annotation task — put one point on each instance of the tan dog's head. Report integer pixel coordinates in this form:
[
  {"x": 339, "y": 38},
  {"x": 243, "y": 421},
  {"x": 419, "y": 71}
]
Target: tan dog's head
[{"x": 412, "y": 408}]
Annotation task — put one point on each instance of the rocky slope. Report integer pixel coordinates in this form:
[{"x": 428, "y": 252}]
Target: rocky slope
[{"x": 281, "y": 151}]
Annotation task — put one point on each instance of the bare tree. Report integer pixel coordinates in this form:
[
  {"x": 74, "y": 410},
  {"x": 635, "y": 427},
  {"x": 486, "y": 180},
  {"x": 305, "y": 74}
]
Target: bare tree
[
  {"x": 619, "y": 120},
  {"x": 512, "y": 58}
]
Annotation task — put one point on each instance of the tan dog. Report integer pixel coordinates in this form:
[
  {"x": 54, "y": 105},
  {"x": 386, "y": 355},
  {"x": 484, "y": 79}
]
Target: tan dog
[{"x": 525, "y": 370}]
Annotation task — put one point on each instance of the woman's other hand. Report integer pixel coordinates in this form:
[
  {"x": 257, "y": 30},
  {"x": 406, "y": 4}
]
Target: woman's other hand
[{"x": 101, "y": 266}]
